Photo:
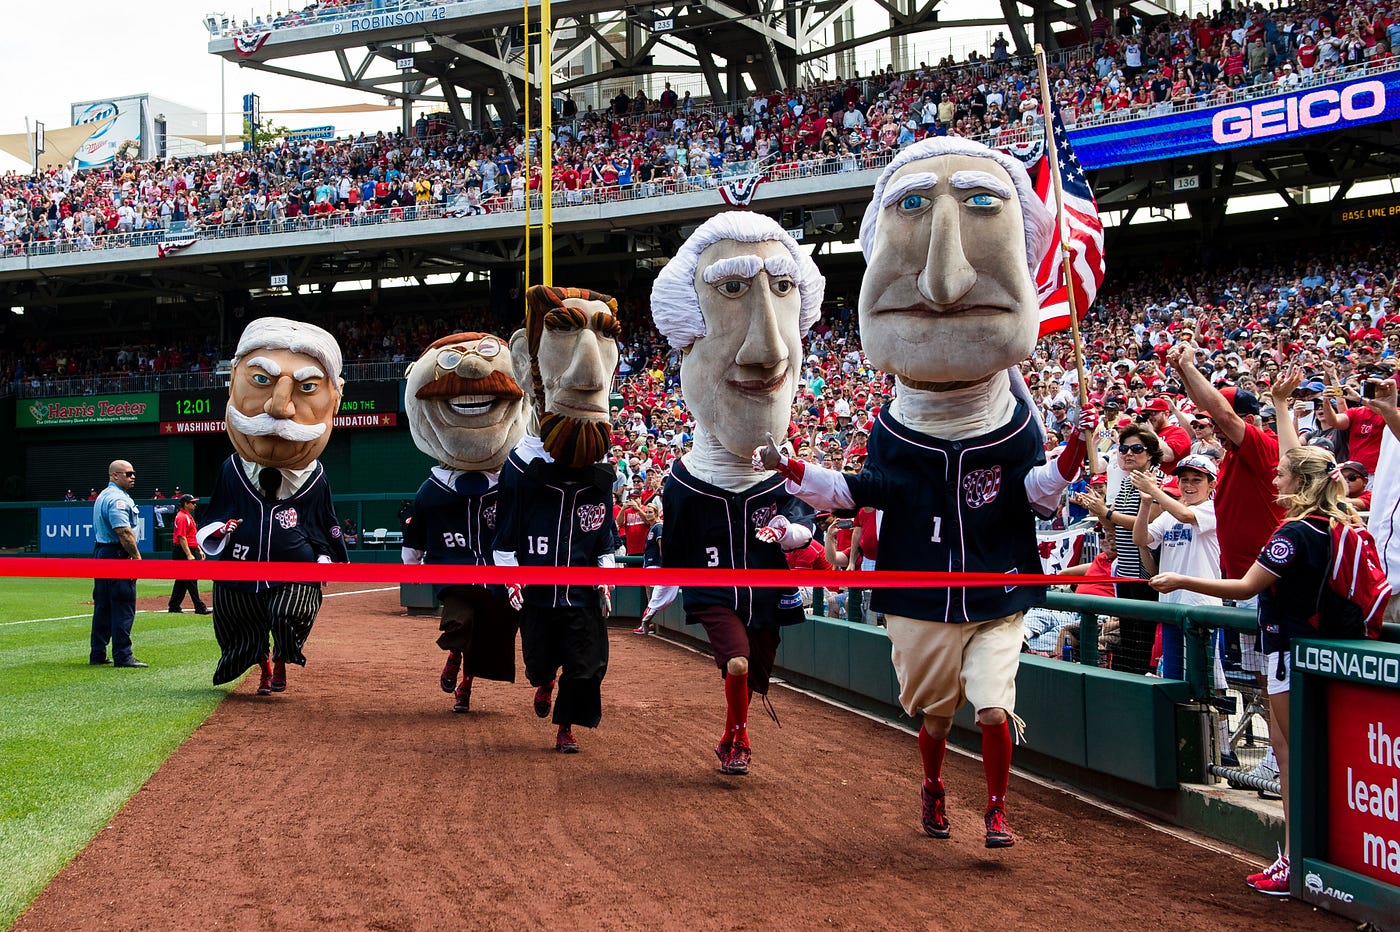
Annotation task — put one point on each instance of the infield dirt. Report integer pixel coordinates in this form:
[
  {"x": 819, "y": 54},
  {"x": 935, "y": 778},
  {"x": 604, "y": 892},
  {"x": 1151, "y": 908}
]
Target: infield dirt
[{"x": 358, "y": 800}]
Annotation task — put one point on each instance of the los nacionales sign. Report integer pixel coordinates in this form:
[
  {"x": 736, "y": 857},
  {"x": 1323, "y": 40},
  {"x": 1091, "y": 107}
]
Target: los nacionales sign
[{"x": 93, "y": 410}]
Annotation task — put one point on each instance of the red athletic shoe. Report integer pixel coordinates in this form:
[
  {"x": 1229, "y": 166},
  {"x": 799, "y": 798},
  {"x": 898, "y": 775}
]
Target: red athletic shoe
[
  {"x": 463, "y": 696},
  {"x": 935, "y": 815},
  {"x": 544, "y": 698},
  {"x": 998, "y": 835},
  {"x": 564, "y": 742},
  {"x": 1274, "y": 881},
  {"x": 448, "y": 679},
  {"x": 738, "y": 762},
  {"x": 265, "y": 680},
  {"x": 279, "y": 676},
  {"x": 723, "y": 751}
]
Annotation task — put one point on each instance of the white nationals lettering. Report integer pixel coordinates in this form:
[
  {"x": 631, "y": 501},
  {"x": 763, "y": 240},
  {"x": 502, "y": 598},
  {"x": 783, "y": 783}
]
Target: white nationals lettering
[
  {"x": 762, "y": 516},
  {"x": 590, "y": 517},
  {"x": 488, "y": 516},
  {"x": 287, "y": 519},
  {"x": 980, "y": 487}
]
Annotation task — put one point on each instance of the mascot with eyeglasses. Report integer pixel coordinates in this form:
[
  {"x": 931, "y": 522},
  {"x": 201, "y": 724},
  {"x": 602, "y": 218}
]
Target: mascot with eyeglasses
[{"x": 464, "y": 409}]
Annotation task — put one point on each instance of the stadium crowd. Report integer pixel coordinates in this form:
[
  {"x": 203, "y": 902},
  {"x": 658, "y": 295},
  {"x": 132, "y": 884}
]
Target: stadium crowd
[{"x": 644, "y": 146}]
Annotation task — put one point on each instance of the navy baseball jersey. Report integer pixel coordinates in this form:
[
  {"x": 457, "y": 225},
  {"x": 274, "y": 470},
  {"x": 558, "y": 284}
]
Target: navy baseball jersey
[
  {"x": 953, "y": 506},
  {"x": 707, "y": 526},
  {"x": 295, "y": 530},
  {"x": 651, "y": 556},
  {"x": 555, "y": 515},
  {"x": 454, "y": 524}
]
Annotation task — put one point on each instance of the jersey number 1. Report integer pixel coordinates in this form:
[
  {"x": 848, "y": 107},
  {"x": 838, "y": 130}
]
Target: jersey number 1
[{"x": 937, "y": 537}]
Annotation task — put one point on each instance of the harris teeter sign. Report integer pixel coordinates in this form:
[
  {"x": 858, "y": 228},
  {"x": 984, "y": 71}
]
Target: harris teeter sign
[{"x": 88, "y": 411}]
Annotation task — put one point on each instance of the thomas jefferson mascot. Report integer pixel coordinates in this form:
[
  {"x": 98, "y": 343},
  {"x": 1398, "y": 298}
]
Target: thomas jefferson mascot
[
  {"x": 271, "y": 500},
  {"x": 464, "y": 409},
  {"x": 556, "y": 499},
  {"x": 957, "y": 462},
  {"x": 736, "y": 301}
]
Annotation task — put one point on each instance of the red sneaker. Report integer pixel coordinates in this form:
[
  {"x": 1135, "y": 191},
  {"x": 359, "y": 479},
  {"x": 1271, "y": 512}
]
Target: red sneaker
[
  {"x": 448, "y": 678},
  {"x": 738, "y": 762},
  {"x": 564, "y": 742},
  {"x": 935, "y": 815},
  {"x": 463, "y": 697},
  {"x": 279, "y": 676},
  {"x": 1280, "y": 863},
  {"x": 544, "y": 699},
  {"x": 265, "y": 680},
  {"x": 998, "y": 835},
  {"x": 1275, "y": 881}
]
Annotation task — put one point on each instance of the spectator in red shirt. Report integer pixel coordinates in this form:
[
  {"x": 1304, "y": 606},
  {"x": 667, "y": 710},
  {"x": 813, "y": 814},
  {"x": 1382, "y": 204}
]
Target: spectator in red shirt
[
  {"x": 633, "y": 524},
  {"x": 1175, "y": 440}
]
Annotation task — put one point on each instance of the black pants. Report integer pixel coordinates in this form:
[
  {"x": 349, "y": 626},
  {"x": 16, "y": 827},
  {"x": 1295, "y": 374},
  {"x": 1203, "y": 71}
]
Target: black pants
[
  {"x": 480, "y": 625},
  {"x": 182, "y": 586},
  {"x": 1135, "y": 655},
  {"x": 113, "y": 609},
  {"x": 576, "y": 641}
]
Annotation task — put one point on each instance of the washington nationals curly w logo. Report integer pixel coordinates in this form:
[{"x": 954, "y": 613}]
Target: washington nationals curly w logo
[
  {"x": 761, "y": 516},
  {"x": 590, "y": 517},
  {"x": 980, "y": 487}
]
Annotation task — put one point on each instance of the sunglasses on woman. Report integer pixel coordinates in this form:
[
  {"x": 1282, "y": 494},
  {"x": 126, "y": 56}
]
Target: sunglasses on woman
[{"x": 1131, "y": 448}]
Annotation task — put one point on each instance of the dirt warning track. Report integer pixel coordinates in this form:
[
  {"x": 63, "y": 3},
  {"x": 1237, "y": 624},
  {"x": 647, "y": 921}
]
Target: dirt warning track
[{"x": 358, "y": 800}]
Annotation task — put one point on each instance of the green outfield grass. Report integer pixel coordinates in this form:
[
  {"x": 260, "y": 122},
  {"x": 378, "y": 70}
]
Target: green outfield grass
[{"x": 77, "y": 741}]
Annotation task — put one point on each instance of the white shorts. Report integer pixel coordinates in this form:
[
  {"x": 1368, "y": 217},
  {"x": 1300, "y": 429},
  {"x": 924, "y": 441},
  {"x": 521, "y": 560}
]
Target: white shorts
[
  {"x": 1276, "y": 686},
  {"x": 941, "y": 665}
]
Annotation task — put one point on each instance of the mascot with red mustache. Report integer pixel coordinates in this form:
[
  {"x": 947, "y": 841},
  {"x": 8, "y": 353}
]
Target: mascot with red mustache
[
  {"x": 464, "y": 410},
  {"x": 271, "y": 500},
  {"x": 556, "y": 499}
]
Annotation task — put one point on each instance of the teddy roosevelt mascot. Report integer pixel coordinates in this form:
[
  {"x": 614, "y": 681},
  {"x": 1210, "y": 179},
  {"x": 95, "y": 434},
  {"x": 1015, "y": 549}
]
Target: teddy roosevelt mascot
[
  {"x": 556, "y": 498},
  {"x": 464, "y": 410},
  {"x": 957, "y": 462},
  {"x": 736, "y": 301},
  {"x": 271, "y": 500}
]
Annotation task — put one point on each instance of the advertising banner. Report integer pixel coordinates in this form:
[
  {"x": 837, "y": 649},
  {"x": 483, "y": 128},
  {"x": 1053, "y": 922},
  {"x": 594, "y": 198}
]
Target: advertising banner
[
  {"x": 1317, "y": 109},
  {"x": 1363, "y": 768},
  {"x": 88, "y": 411},
  {"x": 68, "y": 529},
  {"x": 365, "y": 404},
  {"x": 103, "y": 147}
]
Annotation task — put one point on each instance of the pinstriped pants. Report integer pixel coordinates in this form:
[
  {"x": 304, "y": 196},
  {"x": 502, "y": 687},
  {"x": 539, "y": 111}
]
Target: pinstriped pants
[{"x": 243, "y": 621}]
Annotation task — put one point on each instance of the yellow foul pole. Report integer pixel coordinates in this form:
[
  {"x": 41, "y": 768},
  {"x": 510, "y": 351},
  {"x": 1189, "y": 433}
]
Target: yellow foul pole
[
  {"x": 546, "y": 141},
  {"x": 525, "y": 166}
]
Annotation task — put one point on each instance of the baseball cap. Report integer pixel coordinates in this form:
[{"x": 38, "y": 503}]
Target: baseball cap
[
  {"x": 1201, "y": 464},
  {"x": 187, "y": 497},
  {"x": 1113, "y": 401},
  {"x": 1241, "y": 401},
  {"x": 1099, "y": 479},
  {"x": 1355, "y": 467},
  {"x": 1312, "y": 387},
  {"x": 1157, "y": 404}
]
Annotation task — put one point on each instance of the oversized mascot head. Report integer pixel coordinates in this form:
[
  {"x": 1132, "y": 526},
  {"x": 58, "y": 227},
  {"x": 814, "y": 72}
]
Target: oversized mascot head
[
  {"x": 736, "y": 301},
  {"x": 565, "y": 358},
  {"x": 951, "y": 239},
  {"x": 283, "y": 392},
  {"x": 463, "y": 405}
]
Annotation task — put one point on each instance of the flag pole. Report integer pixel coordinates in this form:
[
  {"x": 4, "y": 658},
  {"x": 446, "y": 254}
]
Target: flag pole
[{"x": 1066, "y": 257}]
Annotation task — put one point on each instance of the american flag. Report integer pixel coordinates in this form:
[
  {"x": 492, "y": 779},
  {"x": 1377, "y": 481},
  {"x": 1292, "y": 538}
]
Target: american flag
[
  {"x": 1085, "y": 235},
  {"x": 166, "y": 247},
  {"x": 738, "y": 192},
  {"x": 249, "y": 44}
]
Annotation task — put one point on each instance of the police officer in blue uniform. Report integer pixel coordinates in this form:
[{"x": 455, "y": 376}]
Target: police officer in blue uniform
[{"x": 114, "y": 525}]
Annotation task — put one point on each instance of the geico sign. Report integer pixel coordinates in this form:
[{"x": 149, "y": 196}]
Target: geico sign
[{"x": 1312, "y": 110}]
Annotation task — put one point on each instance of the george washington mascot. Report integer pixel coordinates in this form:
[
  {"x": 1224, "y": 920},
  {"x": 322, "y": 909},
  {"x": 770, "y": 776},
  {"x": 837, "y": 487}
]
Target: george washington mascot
[
  {"x": 556, "y": 499},
  {"x": 736, "y": 301},
  {"x": 957, "y": 462},
  {"x": 464, "y": 409},
  {"x": 271, "y": 500}
]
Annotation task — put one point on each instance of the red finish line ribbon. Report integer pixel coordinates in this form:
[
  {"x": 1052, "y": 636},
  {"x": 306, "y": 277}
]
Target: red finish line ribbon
[{"x": 239, "y": 571}]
